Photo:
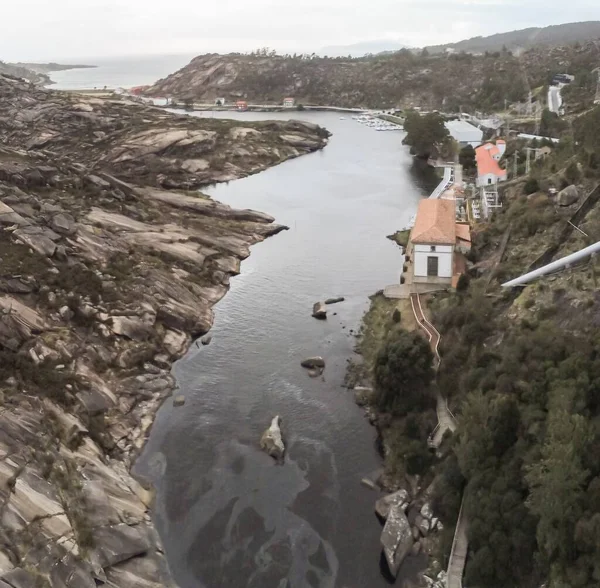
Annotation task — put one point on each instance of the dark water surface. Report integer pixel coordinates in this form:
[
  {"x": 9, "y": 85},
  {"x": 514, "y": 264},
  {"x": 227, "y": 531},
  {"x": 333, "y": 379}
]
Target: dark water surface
[{"x": 228, "y": 515}]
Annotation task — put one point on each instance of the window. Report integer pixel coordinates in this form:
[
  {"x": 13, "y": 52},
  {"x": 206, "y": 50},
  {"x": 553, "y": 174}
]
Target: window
[
  {"x": 432, "y": 266},
  {"x": 489, "y": 180},
  {"x": 432, "y": 248}
]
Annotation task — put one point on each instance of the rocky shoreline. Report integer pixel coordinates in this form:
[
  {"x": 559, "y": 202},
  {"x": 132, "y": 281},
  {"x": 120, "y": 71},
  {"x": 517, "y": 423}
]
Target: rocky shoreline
[
  {"x": 108, "y": 274},
  {"x": 410, "y": 527}
]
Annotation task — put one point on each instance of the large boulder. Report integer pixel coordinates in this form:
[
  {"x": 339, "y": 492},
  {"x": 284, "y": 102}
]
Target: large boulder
[
  {"x": 272, "y": 441},
  {"x": 132, "y": 327},
  {"x": 319, "y": 311},
  {"x": 568, "y": 196},
  {"x": 385, "y": 504},
  {"x": 396, "y": 539},
  {"x": 63, "y": 223},
  {"x": 335, "y": 300},
  {"x": 313, "y": 363}
]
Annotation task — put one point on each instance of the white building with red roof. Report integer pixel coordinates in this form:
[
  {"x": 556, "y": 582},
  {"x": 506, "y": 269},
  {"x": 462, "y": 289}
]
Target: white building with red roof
[
  {"x": 437, "y": 242},
  {"x": 487, "y": 156}
]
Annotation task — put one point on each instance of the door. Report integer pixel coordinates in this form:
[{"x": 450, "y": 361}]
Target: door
[{"x": 432, "y": 266}]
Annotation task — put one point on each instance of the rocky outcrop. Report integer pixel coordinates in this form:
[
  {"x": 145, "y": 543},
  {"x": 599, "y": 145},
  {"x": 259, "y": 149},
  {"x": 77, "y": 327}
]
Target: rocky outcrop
[
  {"x": 116, "y": 141},
  {"x": 381, "y": 81},
  {"x": 312, "y": 363},
  {"x": 396, "y": 538},
  {"x": 396, "y": 499},
  {"x": 335, "y": 300},
  {"x": 105, "y": 282},
  {"x": 568, "y": 196},
  {"x": 272, "y": 441},
  {"x": 319, "y": 311}
]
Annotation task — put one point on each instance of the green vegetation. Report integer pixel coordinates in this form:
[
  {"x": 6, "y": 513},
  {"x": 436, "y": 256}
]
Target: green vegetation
[
  {"x": 400, "y": 237},
  {"x": 466, "y": 158},
  {"x": 426, "y": 135},
  {"x": 403, "y": 373},
  {"x": 525, "y": 450}
]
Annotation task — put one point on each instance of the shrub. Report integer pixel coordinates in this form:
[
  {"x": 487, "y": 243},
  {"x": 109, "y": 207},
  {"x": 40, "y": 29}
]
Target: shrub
[
  {"x": 403, "y": 373},
  {"x": 531, "y": 186},
  {"x": 463, "y": 283}
]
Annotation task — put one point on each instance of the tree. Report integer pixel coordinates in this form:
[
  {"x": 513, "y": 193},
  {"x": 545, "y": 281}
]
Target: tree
[
  {"x": 531, "y": 186},
  {"x": 426, "y": 135},
  {"x": 403, "y": 373},
  {"x": 466, "y": 158},
  {"x": 424, "y": 53}
]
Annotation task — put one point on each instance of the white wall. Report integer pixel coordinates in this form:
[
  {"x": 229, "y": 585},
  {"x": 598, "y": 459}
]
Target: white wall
[
  {"x": 485, "y": 180},
  {"x": 444, "y": 253}
]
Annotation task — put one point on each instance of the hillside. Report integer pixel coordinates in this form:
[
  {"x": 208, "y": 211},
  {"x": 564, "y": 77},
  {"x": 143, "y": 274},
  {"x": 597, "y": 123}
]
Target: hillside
[
  {"x": 106, "y": 276},
  {"x": 401, "y": 79},
  {"x": 20, "y": 71},
  {"x": 564, "y": 34},
  {"x": 520, "y": 371}
]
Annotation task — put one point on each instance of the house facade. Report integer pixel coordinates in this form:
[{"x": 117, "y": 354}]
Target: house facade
[
  {"x": 487, "y": 156},
  {"x": 432, "y": 241},
  {"x": 241, "y": 105},
  {"x": 289, "y": 102}
]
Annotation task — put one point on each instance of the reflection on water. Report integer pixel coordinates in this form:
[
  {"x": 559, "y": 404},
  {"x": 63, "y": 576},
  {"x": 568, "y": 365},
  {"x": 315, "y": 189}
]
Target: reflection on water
[{"x": 228, "y": 515}]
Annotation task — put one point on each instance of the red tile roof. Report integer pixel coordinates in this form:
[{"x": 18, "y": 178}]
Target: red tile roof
[
  {"x": 486, "y": 164},
  {"x": 435, "y": 222},
  {"x": 463, "y": 232}
]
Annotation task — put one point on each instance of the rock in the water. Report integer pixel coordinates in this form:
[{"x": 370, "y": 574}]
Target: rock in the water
[
  {"x": 206, "y": 339},
  {"x": 568, "y": 196},
  {"x": 335, "y": 300},
  {"x": 363, "y": 395},
  {"x": 271, "y": 441},
  {"x": 179, "y": 400},
  {"x": 384, "y": 505},
  {"x": 369, "y": 483},
  {"x": 315, "y": 373},
  {"x": 319, "y": 311},
  {"x": 396, "y": 539},
  {"x": 313, "y": 363}
]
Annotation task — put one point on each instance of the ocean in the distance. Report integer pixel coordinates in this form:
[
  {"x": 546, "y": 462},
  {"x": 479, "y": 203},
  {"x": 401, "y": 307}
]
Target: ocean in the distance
[{"x": 118, "y": 72}]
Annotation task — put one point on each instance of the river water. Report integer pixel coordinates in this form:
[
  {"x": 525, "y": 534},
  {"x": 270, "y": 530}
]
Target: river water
[{"x": 228, "y": 515}]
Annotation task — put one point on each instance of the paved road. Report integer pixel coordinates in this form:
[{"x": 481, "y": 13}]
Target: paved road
[{"x": 554, "y": 99}]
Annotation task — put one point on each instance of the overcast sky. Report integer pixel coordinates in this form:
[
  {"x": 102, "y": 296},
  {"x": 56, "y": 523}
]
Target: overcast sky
[{"x": 75, "y": 29}]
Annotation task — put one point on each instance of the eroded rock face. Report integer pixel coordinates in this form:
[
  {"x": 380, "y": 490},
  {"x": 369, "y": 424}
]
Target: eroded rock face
[
  {"x": 105, "y": 280},
  {"x": 272, "y": 441},
  {"x": 396, "y": 539}
]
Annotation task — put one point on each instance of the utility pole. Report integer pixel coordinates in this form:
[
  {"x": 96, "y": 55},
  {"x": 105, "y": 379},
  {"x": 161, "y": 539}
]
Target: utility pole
[
  {"x": 516, "y": 165},
  {"x": 535, "y": 156},
  {"x": 537, "y": 118}
]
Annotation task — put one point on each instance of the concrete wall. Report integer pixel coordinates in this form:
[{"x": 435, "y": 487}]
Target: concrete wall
[
  {"x": 485, "y": 180},
  {"x": 444, "y": 253}
]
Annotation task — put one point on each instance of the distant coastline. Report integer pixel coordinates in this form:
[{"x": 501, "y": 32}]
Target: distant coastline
[{"x": 45, "y": 68}]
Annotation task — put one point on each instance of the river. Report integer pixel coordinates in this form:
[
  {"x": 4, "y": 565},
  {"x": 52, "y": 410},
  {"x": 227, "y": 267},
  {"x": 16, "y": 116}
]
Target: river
[{"x": 228, "y": 515}]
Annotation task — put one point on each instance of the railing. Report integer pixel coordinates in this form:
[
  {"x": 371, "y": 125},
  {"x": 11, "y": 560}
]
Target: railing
[{"x": 446, "y": 181}]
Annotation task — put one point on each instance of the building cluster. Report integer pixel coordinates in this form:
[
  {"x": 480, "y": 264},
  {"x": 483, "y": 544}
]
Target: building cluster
[{"x": 441, "y": 236}]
